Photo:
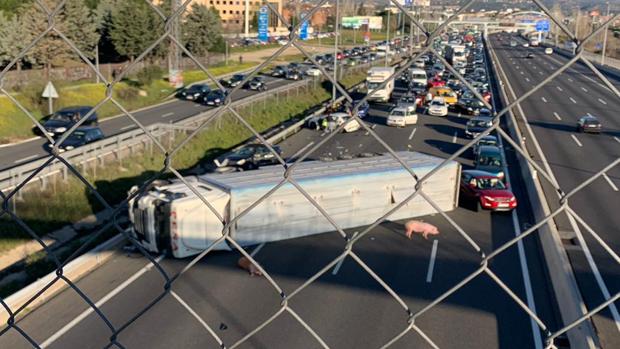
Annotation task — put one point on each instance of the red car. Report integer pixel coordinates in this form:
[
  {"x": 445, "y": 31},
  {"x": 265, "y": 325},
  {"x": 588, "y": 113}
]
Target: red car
[
  {"x": 339, "y": 56},
  {"x": 487, "y": 191},
  {"x": 487, "y": 96},
  {"x": 436, "y": 82}
]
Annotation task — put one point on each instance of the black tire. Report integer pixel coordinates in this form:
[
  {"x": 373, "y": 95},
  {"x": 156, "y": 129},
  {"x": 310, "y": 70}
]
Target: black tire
[{"x": 478, "y": 206}]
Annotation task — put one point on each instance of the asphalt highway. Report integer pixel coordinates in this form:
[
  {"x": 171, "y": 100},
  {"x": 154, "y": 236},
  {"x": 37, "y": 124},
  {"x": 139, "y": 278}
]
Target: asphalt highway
[
  {"x": 346, "y": 307},
  {"x": 574, "y": 157}
]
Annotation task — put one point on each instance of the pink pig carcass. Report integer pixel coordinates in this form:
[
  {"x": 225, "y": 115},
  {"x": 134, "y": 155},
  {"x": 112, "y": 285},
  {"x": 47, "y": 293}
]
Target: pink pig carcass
[{"x": 419, "y": 227}]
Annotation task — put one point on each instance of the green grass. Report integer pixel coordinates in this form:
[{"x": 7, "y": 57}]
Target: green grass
[{"x": 15, "y": 125}]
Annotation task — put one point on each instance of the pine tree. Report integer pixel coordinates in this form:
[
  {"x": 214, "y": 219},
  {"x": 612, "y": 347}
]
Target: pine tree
[
  {"x": 51, "y": 49},
  {"x": 81, "y": 27},
  {"x": 104, "y": 14},
  {"x": 201, "y": 29},
  {"x": 12, "y": 40},
  {"x": 135, "y": 26}
]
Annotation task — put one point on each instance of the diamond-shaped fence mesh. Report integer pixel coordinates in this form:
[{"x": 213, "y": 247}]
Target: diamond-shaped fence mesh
[{"x": 286, "y": 308}]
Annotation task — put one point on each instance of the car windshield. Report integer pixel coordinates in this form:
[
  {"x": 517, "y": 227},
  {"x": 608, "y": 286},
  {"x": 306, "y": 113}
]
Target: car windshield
[
  {"x": 477, "y": 123},
  {"x": 65, "y": 116},
  {"x": 373, "y": 85},
  {"x": 487, "y": 141},
  {"x": 489, "y": 183},
  {"x": 437, "y": 103},
  {"x": 490, "y": 160},
  {"x": 591, "y": 122},
  {"x": 407, "y": 100},
  {"x": 243, "y": 152},
  {"x": 78, "y": 135},
  {"x": 398, "y": 112}
]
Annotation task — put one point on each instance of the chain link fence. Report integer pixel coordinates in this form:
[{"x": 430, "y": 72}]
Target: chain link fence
[{"x": 418, "y": 182}]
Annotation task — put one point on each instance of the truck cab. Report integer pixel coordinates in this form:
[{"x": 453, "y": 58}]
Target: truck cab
[{"x": 376, "y": 77}]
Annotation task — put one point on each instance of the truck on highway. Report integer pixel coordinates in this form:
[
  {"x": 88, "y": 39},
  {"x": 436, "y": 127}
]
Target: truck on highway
[
  {"x": 456, "y": 53},
  {"x": 376, "y": 76},
  {"x": 171, "y": 218}
]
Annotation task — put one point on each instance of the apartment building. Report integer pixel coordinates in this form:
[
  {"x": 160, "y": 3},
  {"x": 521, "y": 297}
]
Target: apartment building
[{"x": 233, "y": 13}]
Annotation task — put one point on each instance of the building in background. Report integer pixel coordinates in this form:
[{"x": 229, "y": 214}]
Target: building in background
[{"x": 233, "y": 13}]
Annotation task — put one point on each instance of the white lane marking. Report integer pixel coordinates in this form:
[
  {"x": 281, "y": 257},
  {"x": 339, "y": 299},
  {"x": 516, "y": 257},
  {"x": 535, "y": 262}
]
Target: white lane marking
[
  {"x": 193, "y": 313},
  {"x": 454, "y": 137},
  {"x": 611, "y": 184},
  {"x": 337, "y": 267},
  {"x": 197, "y": 105},
  {"x": 570, "y": 80},
  {"x": 540, "y": 72},
  {"x": 525, "y": 273},
  {"x": 167, "y": 115},
  {"x": 99, "y": 303},
  {"x": 412, "y": 133},
  {"x": 572, "y": 100},
  {"x": 584, "y": 89},
  {"x": 527, "y": 79},
  {"x": 602, "y": 101},
  {"x": 257, "y": 249},
  {"x": 27, "y": 158},
  {"x": 301, "y": 150},
  {"x": 617, "y": 139},
  {"x": 521, "y": 72},
  {"x": 127, "y": 127},
  {"x": 559, "y": 88},
  {"x": 576, "y": 141},
  {"x": 543, "y": 99},
  {"x": 431, "y": 263},
  {"x": 557, "y": 116}
]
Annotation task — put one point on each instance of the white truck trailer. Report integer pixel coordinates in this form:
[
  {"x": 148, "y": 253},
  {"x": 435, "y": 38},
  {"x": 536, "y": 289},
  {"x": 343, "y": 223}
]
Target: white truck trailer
[
  {"x": 376, "y": 76},
  {"x": 171, "y": 218}
]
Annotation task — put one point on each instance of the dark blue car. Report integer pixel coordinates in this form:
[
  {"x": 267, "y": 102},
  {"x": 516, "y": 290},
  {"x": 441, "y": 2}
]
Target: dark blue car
[
  {"x": 62, "y": 120},
  {"x": 80, "y": 137}
]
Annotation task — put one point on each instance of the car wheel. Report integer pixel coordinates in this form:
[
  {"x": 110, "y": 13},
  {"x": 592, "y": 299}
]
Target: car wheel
[{"x": 478, "y": 206}]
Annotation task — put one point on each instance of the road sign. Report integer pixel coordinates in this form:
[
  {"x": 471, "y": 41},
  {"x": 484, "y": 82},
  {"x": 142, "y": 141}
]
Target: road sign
[
  {"x": 303, "y": 30},
  {"x": 263, "y": 23},
  {"x": 50, "y": 91},
  {"x": 542, "y": 26}
]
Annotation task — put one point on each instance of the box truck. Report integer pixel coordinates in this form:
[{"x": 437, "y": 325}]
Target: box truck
[
  {"x": 376, "y": 76},
  {"x": 172, "y": 218}
]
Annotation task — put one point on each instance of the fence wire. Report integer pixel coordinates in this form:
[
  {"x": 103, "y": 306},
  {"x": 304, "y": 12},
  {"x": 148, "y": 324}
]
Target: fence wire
[{"x": 418, "y": 182}]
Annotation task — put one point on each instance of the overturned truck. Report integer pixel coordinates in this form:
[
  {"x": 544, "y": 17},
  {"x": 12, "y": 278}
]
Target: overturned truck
[{"x": 172, "y": 218}]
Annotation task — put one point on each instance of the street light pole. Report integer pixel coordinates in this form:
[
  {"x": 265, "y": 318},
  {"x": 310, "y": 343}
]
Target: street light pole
[
  {"x": 336, "y": 32},
  {"x": 605, "y": 38},
  {"x": 387, "y": 44}
]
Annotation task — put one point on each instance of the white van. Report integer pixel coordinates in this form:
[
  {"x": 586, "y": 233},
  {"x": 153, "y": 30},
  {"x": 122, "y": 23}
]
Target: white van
[
  {"x": 418, "y": 75},
  {"x": 548, "y": 51}
]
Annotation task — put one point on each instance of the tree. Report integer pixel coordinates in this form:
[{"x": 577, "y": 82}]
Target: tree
[
  {"x": 103, "y": 13},
  {"x": 201, "y": 29},
  {"x": 81, "y": 27},
  {"x": 12, "y": 39},
  {"x": 51, "y": 49},
  {"x": 135, "y": 26}
]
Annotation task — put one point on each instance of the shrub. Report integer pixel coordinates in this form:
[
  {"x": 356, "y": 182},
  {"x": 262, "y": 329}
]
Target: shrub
[{"x": 148, "y": 74}]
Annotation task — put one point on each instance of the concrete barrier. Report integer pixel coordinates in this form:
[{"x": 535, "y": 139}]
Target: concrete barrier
[{"x": 563, "y": 281}]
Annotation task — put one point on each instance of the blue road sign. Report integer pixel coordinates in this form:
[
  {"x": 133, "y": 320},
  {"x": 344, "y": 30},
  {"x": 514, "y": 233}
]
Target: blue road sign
[
  {"x": 542, "y": 26},
  {"x": 303, "y": 29},
  {"x": 263, "y": 23},
  {"x": 408, "y": 3}
]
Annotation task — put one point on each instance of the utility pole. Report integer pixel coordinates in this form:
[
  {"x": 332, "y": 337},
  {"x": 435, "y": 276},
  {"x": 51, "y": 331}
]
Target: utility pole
[
  {"x": 174, "y": 54},
  {"x": 336, "y": 34},
  {"x": 387, "y": 44},
  {"x": 605, "y": 38}
]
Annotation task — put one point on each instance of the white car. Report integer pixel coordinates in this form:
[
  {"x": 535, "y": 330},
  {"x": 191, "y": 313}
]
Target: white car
[
  {"x": 548, "y": 51},
  {"x": 438, "y": 107},
  {"x": 419, "y": 63},
  {"x": 527, "y": 44},
  {"x": 313, "y": 72},
  {"x": 401, "y": 117}
]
